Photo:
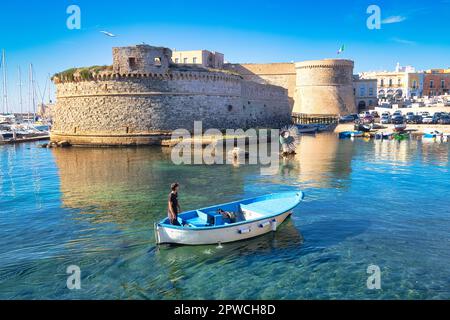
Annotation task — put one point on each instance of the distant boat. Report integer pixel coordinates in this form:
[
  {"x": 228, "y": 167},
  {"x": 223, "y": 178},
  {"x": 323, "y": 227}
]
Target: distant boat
[
  {"x": 254, "y": 217},
  {"x": 350, "y": 134},
  {"x": 432, "y": 134},
  {"x": 400, "y": 127},
  {"x": 383, "y": 135},
  {"x": 306, "y": 129}
]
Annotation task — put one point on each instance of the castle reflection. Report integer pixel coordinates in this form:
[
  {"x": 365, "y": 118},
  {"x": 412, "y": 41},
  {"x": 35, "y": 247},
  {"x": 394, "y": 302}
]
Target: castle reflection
[{"x": 321, "y": 161}]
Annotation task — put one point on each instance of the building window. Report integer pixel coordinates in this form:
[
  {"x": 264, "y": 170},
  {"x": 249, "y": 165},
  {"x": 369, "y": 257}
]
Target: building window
[
  {"x": 362, "y": 92},
  {"x": 431, "y": 84},
  {"x": 399, "y": 82},
  {"x": 370, "y": 103},
  {"x": 194, "y": 60},
  {"x": 177, "y": 60},
  {"x": 185, "y": 60},
  {"x": 370, "y": 91},
  {"x": 442, "y": 84},
  {"x": 132, "y": 63},
  {"x": 414, "y": 84},
  {"x": 381, "y": 83},
  {"x": 390, "y": 82}
]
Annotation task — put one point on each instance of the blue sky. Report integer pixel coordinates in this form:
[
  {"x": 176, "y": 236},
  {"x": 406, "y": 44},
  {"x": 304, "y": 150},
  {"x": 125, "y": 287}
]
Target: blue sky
[{"x": 414, "y": 33}]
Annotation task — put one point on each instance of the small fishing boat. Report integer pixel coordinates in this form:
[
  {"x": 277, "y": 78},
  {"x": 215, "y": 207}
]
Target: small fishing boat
[
  {"x": 399, "y": 136},
  {"x": 253, "y": 217},
  {"x": 432, "y": 134},
  {"x": 399, "y": 127},
  {"x": 306, "y": 129},
  {"x": 350, "y": 134},
  {"x": 383, "y": 135}
]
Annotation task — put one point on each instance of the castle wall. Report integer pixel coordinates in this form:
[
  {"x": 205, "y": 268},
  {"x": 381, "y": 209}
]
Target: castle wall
[
  {"x": 278, "y": 74},
  {"x": 138, "y": 109},
  {"x": 325, "y": 87}
]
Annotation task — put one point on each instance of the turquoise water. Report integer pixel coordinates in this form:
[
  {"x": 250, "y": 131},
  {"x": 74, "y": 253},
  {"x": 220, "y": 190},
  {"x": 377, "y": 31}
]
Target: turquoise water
[{"x": 367, "y": 202}]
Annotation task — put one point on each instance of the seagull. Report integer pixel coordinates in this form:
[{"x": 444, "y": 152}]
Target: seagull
[{"x": 109, "y": 34}]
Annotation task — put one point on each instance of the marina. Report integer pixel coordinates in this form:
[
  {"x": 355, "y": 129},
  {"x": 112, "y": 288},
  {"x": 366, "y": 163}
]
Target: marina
[{"x": 97, "y": 207}]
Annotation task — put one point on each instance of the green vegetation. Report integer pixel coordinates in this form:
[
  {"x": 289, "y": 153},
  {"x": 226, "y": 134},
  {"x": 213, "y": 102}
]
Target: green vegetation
[{"x": 86, "y": 73}]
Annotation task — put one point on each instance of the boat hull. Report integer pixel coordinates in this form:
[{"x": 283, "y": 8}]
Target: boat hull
[{"x": 225, "y": 234}]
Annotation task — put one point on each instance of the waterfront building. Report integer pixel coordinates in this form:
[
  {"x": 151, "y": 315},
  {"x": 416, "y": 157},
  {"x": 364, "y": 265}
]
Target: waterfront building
[
  {"x": 436, "y": 82},
  {"x": 203, "y": 58},
  {"x": 365, "y": 92},
  {"x": 400, "y": 84}
]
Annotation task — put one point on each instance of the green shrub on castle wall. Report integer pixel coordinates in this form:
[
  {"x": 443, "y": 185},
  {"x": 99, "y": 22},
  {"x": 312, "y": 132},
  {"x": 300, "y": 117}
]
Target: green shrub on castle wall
[{"x": 87, "y": 73}]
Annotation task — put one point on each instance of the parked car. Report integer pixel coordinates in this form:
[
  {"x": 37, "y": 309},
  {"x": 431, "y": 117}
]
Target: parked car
[
  {"x": 427, "y": 119},
  {"x": 444, "y": 119},
  {"x": 397, "y": 119},
  {"x": 367, "y": 119},
  {"x": 410, "y": 117},
  {"x": 385, "y": 119},
  {"x": 375, "y": 114}
]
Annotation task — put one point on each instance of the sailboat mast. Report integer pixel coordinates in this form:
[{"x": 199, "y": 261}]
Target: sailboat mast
[
  {"x": 32, "y": 93},
  {"x": 20, "y": 92},
  {"x": 5, "y": 89}
]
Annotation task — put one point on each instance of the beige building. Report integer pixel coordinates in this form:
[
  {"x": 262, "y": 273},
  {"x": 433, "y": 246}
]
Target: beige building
[
  {"x": 365, "y": 91},
  {"x": 403, "y": 83},
  {"x": 204, "y": 58}
]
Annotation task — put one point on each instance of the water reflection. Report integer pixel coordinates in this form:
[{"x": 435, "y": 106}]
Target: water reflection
[{"x": 321, "y": 161}]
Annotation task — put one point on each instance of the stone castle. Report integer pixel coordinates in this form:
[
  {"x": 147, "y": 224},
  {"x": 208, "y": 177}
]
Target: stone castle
[{"x": 144, "y": 96}]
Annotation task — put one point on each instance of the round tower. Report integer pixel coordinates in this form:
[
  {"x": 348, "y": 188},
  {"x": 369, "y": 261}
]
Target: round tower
[{"x": 324, "y": 87}]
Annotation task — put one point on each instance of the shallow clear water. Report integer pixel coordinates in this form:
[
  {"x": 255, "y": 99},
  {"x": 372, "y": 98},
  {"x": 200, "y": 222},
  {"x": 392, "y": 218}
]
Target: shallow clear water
[{"x": 378, "y": 202}]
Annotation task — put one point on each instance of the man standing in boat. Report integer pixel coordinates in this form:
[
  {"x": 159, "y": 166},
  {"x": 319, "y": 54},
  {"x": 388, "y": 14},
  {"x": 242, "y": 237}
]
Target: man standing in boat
[{"x": 174, "y": 206}]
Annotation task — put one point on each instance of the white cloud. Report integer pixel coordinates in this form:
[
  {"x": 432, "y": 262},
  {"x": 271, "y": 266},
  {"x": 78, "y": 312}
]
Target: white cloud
[
  {"x": 393, "y": 19},
  {"x": 403, "y": 41}
]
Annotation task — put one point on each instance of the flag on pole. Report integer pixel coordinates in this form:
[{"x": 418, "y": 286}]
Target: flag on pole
[{"x": 341, "y": 49}]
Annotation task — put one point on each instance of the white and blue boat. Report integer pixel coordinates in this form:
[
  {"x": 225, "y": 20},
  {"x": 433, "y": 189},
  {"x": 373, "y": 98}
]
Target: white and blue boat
[
  {"x": 432, "y": 134},
  {"x": 253, "y": 217}
]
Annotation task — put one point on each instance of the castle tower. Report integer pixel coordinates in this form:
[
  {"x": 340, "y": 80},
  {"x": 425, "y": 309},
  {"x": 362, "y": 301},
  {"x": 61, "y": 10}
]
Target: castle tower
[
  {"x": 141, "y": 59},
  {"x": 324, "y": 87}
]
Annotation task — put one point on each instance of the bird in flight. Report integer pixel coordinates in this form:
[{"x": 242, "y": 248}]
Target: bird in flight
[{"x": 109, "y": 34}]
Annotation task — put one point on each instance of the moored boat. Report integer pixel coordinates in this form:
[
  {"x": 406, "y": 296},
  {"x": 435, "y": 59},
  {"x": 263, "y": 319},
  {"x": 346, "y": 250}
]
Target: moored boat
[
  {"x": 399, "y": 127},
  {"x": 432, "y": 134},
  {"x": 253, "y": 217}
]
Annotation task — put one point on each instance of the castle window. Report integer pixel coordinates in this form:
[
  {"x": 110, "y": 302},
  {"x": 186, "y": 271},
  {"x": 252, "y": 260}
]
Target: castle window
[
  {"x": 158, "y": 61},
  {"x": 132, "y": 63},
  {"x": 230, "y": 107}
]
